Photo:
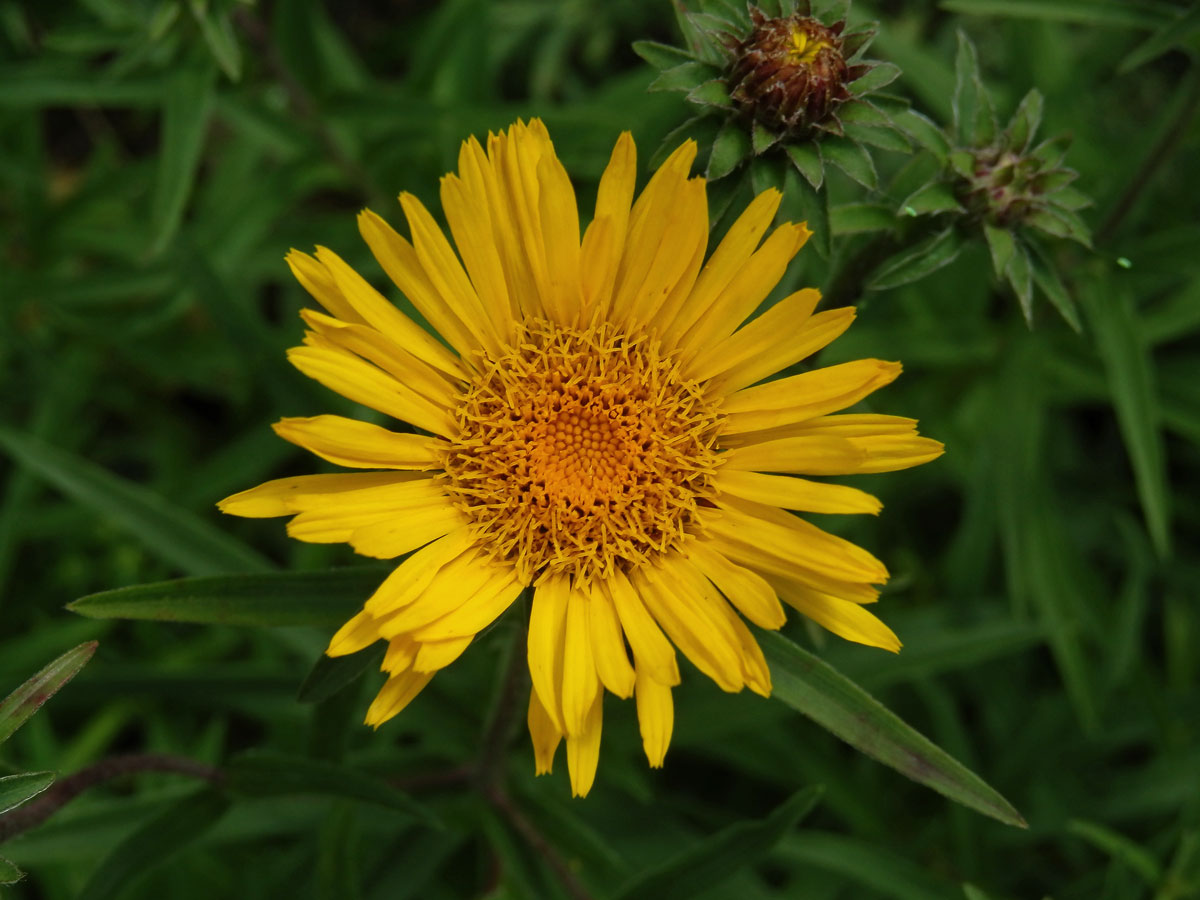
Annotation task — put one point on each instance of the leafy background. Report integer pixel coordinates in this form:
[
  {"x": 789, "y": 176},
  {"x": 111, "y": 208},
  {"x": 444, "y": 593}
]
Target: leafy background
[{"x": 156, "y": 161}]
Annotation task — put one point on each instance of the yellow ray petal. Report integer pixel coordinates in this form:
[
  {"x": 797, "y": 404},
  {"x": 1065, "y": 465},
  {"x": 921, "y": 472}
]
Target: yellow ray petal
[
  {"x": 583, "y": 749},
  {"x": 283, "y": 496},
  {"x": 608, "y": 645},
  {"x": 888, "y": 452},
  {"x": 363, "y": 383},
  {"x": 435, "y": 655},
  {"x": 471, "y": 226},
  {"x": 656, "y": 717},
  {"x": 816, "y": 454},
  {"x": 358, "y": 633},
  {"x": 795, "y": 493},
  {"x": 681, "y": 616},
  {"x": 324, "y": 519},
  {"x": 454, "y": 584},
  {"x": 544, "y": 645},
  {"x": 731, "y": 628},
  {"x": 769, "y": 565},
  {"x": 663, "y": 251},
  {"x": 376, "y": 310},
  {"x": 409, "y": 579},
  {"x": 360, "y": 445},
  {"x": 726, "y": 261},
  {"x": 580, "y": 683},
  {"x": 316, "y": 279},
  {"x": 845, "y": 619},
  {"x": 805, "y": 396},
  {"x": 446, "y": 274},
  {"x": 488, "y": 603},
  {"x": 380, "y": 350},
  {"x": 782, "y": 336},
  {"x": 843, "y": 425},
  {"x": 399, "y": 691},
  {"x": 745, "y": 589},
  {"x": 401, "y": 653},
  {"x": 748, "y": 288},
  {"x": 604, "y": 240},
  {"x": 544, "y": 734},
  {"x": 403, "y": 534},
  {"x": 782, "y": 534},
  {"x": 399, "y": 260},
  {"x": 653, "y": 652},
  {"x": 559, "y": 214}
]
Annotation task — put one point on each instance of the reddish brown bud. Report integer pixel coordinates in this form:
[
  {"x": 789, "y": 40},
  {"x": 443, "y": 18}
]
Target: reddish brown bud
[{"x": 789, "y": 73}]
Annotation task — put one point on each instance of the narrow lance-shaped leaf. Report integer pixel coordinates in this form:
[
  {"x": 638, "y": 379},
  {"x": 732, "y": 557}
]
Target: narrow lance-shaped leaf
[
  {"x": 263, "y": 774},
  {"x": 164, "y": 835},
  {"x": 915, "y": 263},
  {"x": 1130, "y": 371},
  {"x": 187, "y": 102},
  {"x": 175, "y": 534},
  {"x": 332, "y": 673},
  {"x": 16, "y": 789},
  {"x": 708, "y": 863},
  {"x": 284, "y": 598},
  {"x": 22, "y": 703},
  {"x": 809, "y": 685},
  {"x": 9, "y": 874}
]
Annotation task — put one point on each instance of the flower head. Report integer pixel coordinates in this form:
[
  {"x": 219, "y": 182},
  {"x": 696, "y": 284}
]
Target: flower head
[
  {"x": 789, "y": 73},
  {"x": 592, "y": 429}
]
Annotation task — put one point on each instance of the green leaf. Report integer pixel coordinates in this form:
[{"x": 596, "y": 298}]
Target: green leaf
[
  {"x": 1025, "y": 121},
  {"x": 9, "y": 874},
  {"x": 220, "y": 37},
  {"x": 851, "y": 158},
  {"x": 1120, "y": 848},
  {"x": 709, "y": 862},
  {"x": 880, "y": 76},
  {"x": 332, "y": 673},
  {"x": 922, "y": 130},
  {"x": 730, "y": 147},
  {"x": 155, "y": 842},
  {"x": 884, "y": 873},
  {"x": 16, "y": 789},
  {"x": 974, "y": 118},
  {"x": 187, "y": 103},
  {"x": 1169, "y": 36},
  {"x": 1060, "y": 223},
  {"x": 683, "y": 77},
  {"x": 762, "y": 138},
  {"x": 711, "y": 93},
  {"x": 1129, "y": 368},
  {"x": 285, "y": 598},
  {"x": 934, "y": 198},
  {"x": 814, "y": 206},
  {"x": 176, "y": 535},
  {"x": 963, "y": 162},
  {"x": 27, "y": 699},
  {"x": 1052, "y": 151},
  {"x": 1121, "y": 13},
  {"x": 267, "y": 774},
  {"x": 885, "y": 137},
  {"x": 337, "y": 868},
  {"x": 857, "y": 218},
  {"x": 1045, "y": 275},
  {"x": 916, "y": 262},
  {"x": 1020, "y": 276},
  {"x": 804, "y": 682},
  {"x": 1002, "y": 246},
  {"x": 807, "y": 159},
  {"x": 661, "y": 56}
]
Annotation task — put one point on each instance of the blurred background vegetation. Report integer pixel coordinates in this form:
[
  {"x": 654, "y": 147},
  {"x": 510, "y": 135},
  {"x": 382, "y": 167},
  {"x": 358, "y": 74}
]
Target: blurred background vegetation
[{"x": 158, "y": 158}]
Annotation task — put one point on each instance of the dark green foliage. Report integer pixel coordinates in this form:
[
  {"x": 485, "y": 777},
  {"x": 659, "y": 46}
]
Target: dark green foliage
[{"x": 157, "y": 159}]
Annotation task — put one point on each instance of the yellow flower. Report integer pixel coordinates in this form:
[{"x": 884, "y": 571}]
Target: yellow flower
[{"x": 596, "y": 431}]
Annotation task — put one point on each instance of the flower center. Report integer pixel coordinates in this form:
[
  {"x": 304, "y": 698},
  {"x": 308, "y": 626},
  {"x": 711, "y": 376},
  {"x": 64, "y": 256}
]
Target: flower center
[
  {"x": 805, "y": 47},
  {"x": 580, "y": 451}
]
